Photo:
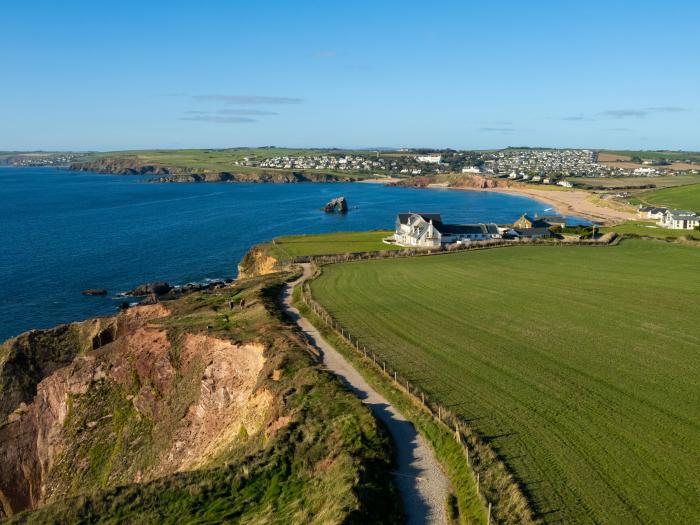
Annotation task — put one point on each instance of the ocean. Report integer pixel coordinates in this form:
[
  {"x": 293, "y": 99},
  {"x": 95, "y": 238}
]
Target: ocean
[{"x": 62, "y": 232}]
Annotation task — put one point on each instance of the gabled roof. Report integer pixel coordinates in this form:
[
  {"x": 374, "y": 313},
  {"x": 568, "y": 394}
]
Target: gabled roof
[
  {"x": 533, "y": 232},
  {"x": 435, "y": 217},
  {"x": 467, "y": 229}
]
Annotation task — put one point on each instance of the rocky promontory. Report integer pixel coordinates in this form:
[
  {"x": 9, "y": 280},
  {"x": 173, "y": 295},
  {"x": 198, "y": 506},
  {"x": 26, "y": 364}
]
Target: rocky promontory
[{"x": 130, "y": 165}]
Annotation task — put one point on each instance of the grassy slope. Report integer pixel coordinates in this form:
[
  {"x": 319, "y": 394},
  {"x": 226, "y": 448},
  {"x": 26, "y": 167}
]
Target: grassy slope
[
  {"x": 580, "y": 364},
  {"x": 659, "y": 155},
  {"x": 648, "y": 229},
  {"x": 682, "y": 197},
  {"x": 330, "y": 464},
  {"x": 284, "y": 248}
]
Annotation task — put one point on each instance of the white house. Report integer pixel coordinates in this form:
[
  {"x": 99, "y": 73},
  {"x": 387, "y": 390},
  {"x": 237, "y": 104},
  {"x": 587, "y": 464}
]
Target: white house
[
  {"x": 651, "y": 212},
  {"x": 428, "y": 230},
  {"x": 433, "y": 159},
  {"x": 565, "y": 184},
  {"x": 471, "y": 169},
  {"x": 679, "y": 220}
]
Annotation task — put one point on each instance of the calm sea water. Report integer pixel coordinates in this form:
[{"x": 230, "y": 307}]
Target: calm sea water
[{"x": 62, "y": 232}]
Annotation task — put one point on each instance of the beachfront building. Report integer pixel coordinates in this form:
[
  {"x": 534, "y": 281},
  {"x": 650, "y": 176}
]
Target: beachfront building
[
  {"x": 651, "y": 212},
  {"x": 679, "y": 220},
  {"x": 537, "y": 221},
  {"x": 427, "y": 230}
]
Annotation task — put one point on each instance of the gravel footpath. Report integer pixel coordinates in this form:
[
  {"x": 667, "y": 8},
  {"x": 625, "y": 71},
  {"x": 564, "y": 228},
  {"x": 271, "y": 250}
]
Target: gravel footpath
[{"x": 421, "y": 482}]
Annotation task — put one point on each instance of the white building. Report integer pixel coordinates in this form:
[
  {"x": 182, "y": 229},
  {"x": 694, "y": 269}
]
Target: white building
[
  {"x": 679, "y": 220},
  {"x": 565, "y": 184},
  {"x": 471, "y": 169},
  {"x": 651, "y": 212},
  {"x": 433, "y": 159},
  {"x": 427, "y": 230}
]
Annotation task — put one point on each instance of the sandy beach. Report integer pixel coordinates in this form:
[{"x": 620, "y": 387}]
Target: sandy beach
[{"x": 573, "y": 202}]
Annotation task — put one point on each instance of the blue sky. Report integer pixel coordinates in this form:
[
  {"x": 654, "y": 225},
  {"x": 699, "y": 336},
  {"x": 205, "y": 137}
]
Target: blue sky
[{"x": 117, "y": 75}]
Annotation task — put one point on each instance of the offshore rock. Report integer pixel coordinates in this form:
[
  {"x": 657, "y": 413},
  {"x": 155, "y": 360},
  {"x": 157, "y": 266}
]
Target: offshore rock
[{"x": 337, "y": 205}]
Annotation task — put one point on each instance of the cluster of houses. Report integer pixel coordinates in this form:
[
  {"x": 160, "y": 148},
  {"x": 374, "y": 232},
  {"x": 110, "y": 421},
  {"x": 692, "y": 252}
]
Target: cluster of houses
[
  {"x": 428, "y": 229},
  {"x": 317, "y": 162},
  {"x": 672, "y": 219}
]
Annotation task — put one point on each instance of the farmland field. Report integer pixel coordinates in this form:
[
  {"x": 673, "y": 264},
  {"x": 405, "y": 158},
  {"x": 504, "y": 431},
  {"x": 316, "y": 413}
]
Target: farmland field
[
  {"x": 579, "y": 365},
  {"x": 682, "y": 197},
  {"x": 648, "y": 229},
  {"x": 290, "y": 246}
]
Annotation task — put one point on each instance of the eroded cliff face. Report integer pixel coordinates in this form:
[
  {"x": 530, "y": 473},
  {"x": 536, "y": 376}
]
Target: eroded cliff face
[
  {"x": 204, "y": 407},
  {"x": 130, "y": 165},
  {"x": 256, "y": 262},
  {"x": 137, "y": 408}
]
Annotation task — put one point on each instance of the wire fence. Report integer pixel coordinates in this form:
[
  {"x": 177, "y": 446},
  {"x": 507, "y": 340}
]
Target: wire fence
[{"x": 496, "y": 488}]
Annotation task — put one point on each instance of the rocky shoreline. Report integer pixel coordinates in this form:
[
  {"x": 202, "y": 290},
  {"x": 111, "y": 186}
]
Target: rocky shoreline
[{"x": 133, "y": 166}]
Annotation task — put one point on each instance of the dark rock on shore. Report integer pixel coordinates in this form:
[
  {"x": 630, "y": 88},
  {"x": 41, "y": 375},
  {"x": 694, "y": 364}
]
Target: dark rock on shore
[
  {"x": 157, "y": 288},
  {"x": 337, "y": 205},
  {"x": 94, "y": 291}
]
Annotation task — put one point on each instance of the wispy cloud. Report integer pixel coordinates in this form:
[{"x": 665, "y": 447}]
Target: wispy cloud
[
  {"x": 576, "y": 118},
  {"x": 496, "y": 129},
  {"x": 259, "y": 112},
  {"x": 325, "y": 54},
  {"x": 624, "y": 113},
  {"x": 218, "y": 119},
  {"x": 248, "y": 99},
  {"x": 667, "y": 109}
]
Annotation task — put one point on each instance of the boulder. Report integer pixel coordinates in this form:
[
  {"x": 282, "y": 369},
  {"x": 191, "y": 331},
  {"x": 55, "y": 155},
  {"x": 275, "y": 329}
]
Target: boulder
[
  {"x": 94, "y": 291},
  {"x": 157, "y": 288}
]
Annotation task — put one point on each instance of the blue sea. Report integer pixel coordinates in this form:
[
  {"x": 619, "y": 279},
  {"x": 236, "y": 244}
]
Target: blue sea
[{"x": 62, "y": 232}]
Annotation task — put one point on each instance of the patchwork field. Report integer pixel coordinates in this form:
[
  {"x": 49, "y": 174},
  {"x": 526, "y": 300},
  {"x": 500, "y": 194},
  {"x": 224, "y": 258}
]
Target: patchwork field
[
  {"x": 287, "y": 247},
  {"x": 580, "y": 365},
  {"x": 682, "y": 197}
]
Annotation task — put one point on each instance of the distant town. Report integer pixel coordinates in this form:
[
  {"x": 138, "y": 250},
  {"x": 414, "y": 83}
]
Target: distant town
[{"x": 534, "y": 165}]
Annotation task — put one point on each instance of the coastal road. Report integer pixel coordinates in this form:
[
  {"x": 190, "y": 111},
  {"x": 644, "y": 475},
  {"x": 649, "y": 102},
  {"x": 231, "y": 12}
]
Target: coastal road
[{"x": 421, "y": 483}]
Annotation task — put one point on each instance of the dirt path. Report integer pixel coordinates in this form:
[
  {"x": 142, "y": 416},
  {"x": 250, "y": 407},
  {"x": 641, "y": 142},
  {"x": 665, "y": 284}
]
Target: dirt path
[{"x": 421, "y": 482}]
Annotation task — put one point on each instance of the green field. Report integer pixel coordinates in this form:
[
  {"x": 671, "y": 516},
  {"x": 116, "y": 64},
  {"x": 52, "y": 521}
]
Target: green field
[
  {"x": 678, "y": 156},
  {"x": 649, "y": 229},
  {"x": 285, "y": 248},
  {"x": 663, "y": 181},
  {"x": 681, "y": 197},
  {"x": 579, "y": 365}
]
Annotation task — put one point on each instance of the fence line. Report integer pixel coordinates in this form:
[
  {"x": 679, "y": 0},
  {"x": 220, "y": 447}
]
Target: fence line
[
  {"x": 609, "y": 239},
  {"x": 440, "y": 414}
]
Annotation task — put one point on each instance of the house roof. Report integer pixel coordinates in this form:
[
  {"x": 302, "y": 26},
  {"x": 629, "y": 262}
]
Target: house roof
[
  {"x": 551, "y": 218},
  {"x": 467, "y": 229},
  {"x": 533, "y": 232},
  {"x": 435, "y": 217}
]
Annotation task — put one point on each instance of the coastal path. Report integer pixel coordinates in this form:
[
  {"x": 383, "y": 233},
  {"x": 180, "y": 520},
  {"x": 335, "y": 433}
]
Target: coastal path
[{"x": 421, "y": 483}]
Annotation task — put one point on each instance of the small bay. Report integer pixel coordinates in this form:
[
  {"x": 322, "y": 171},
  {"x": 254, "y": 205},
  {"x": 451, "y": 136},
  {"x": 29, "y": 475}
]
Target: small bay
[{"x": 62, "y": 232}]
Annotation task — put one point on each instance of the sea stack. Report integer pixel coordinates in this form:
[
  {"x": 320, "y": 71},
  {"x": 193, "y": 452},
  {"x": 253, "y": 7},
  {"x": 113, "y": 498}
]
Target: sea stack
[{"x": 337, "y": 205}]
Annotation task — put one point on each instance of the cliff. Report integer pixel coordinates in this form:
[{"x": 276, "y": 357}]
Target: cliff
[
  {"x": 131, "y": 165},
  {"x": 454, "y": 181},
  {"x": 184, "y": 410}
]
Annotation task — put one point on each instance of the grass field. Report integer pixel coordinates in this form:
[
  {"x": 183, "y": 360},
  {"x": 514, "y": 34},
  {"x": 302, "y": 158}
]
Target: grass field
[
  {"x": 627, "y": 182},
  {"x": 649, "y": 229},
  {"x": 285, "y": 248},
  {"x": 579, "y": 365},
  {"x": 677, "y": 156},
  {"x": 682, "y": 197}
]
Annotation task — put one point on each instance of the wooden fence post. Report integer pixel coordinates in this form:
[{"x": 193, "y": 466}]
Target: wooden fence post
[
  {"x": 488, "y": 519},
  {"x": 395, "y": 378}
]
